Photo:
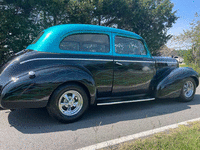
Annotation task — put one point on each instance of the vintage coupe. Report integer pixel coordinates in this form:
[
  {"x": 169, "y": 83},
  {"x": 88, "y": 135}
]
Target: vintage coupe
[{"x": 68, "y": 68}]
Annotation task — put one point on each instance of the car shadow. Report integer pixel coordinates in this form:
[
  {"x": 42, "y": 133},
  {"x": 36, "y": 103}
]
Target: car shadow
[{"x": 31, "y": 121}]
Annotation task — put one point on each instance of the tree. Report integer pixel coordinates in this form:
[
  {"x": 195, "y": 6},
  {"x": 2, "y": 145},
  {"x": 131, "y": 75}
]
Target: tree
[
  {"x": 15, "y": 27},
  {"x": 109, "y": 12},
  {"x": 22, "y": 20},
  {"x": 153, "y": 22},
  {"x": 191, "y": 37},
  {"x": 194, "y": 36},
  {"x": 81, "y": 12},
  {"x": 182, "y": 53},
  {"x": 149, "y": 18},
  {"x": 165, "y": 51},
  {"x": 188, "y": 57}
]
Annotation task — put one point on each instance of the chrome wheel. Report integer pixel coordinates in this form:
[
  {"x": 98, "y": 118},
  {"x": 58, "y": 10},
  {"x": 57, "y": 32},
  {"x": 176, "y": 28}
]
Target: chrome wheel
[
  {"x": 70, "y": 103},
  {"x": 188, "y": 89}
]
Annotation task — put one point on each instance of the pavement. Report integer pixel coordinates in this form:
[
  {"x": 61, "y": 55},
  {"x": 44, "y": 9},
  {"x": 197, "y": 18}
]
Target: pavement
[{"x": 35, "y": 129}]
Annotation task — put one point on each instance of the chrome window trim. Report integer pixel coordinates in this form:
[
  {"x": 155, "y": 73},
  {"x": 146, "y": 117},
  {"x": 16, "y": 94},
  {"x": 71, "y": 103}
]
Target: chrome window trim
[{"x": 35, "y": 59}]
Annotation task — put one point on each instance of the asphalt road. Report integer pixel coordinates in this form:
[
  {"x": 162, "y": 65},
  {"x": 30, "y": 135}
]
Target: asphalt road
[{"x": 34, "y": 129}]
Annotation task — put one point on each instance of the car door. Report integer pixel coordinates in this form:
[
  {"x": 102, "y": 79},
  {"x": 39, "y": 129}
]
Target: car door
[{"x": 133, "y": 67}]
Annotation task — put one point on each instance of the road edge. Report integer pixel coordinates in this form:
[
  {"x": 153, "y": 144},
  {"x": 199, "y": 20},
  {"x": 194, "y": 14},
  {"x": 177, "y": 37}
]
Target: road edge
[{"x": 135, "y": 136}]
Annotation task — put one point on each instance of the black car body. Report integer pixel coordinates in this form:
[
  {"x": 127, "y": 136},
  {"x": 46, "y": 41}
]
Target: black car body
[{"x": 70, "y": 67}]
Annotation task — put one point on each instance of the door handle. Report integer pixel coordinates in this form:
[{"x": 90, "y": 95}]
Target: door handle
[{"x": 117, "y": 63}]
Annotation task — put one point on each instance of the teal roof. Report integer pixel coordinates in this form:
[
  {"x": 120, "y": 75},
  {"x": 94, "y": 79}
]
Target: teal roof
[
  {"x": 86, "y": 27},
  {"x": 50, "y": 40}
]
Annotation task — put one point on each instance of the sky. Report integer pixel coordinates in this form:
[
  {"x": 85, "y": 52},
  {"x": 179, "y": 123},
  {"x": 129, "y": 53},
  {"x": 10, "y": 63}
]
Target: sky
[{"x": 186, "y": 10}]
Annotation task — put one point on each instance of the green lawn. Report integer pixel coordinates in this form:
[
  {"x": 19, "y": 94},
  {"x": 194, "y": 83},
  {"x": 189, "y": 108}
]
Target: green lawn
[
  {"x": 182, "y": 138},
  {"x": 183, "y": 65},
  {"x": 197, "y": 69}
]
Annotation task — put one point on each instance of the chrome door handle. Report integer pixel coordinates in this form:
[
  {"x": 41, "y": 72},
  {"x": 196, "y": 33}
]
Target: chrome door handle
[{"x": 117, "y": 63}]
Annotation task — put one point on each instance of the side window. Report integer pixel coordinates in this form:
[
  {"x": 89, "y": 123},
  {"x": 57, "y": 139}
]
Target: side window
[
  {"x": 86, "y": 42},
  {"x": 130, "y": 46}
]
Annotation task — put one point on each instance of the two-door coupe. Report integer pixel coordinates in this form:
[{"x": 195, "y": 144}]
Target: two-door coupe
[{"x": 68, "y": 68}]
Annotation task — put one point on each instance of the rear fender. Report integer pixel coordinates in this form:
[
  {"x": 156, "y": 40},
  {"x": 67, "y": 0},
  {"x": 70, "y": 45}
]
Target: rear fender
[{"x": 46, "y": 80}]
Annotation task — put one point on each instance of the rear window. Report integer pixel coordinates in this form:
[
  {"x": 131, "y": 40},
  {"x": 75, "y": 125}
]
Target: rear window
[
  {"x": 38, "y": 37},
  {"x": 86, "y": 42}
]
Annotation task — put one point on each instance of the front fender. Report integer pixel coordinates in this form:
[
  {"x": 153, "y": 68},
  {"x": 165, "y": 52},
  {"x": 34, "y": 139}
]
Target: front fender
[
  {"x": 30, "y": 93},
  {"x": 171, "y": 85}
]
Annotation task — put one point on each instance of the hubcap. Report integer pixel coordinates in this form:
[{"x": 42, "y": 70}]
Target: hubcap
[
  {"x": 70, "y": 103},
  {"x": 188, "y": 89}
]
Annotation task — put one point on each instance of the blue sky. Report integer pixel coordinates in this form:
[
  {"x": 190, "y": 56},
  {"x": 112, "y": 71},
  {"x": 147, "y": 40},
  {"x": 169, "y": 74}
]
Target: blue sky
[{"x": 186, "y": 10}]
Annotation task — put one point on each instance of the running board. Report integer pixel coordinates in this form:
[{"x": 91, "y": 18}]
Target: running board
[{"x": 130, "y": 101}]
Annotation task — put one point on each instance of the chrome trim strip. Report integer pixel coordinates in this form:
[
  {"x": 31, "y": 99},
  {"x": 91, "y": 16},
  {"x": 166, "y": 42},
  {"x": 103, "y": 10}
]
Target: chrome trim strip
[
  {"x": 131, "y": 101},
  {"x": 136, "y": 61},
  {"x": 35, "y": 59},
  {"x": 166, "y": 62}
]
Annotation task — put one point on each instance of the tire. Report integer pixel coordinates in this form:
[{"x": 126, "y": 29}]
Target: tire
[
  {"x": 68, "y": 103},
  {"x": 188, "y": 90}
]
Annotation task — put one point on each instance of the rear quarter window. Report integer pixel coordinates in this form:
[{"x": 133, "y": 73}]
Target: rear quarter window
[{"x": 86, "y": 42}]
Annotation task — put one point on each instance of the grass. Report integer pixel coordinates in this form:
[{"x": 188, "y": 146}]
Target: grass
[
  {"x": 181, "y": 138},
  {"x": 183, "y": 65},
  {"x": 196, "y": 68}
]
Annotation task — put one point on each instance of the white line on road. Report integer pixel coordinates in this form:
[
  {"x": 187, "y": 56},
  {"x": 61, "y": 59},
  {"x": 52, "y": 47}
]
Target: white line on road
[{"x": 135, "y": 136}]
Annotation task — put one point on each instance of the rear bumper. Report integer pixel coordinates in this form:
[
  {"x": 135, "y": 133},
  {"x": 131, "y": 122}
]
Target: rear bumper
[{"x": 23, "y": 104}]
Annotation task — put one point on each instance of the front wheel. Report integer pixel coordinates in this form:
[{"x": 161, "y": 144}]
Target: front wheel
[
  {"x": 188, "y": 90},
  {"x": 68, "y": 103}
]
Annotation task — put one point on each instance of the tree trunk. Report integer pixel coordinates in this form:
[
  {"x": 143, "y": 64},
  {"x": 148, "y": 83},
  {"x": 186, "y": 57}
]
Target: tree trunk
[
  {"x": 99, "y": 19},
  {"x": 54, "y": 20}
]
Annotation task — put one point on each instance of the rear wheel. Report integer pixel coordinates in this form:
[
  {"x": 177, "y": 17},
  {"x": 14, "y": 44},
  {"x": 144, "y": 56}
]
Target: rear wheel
[
  {"x": 188, "y": 90},
  {"x": 68, "y": 103}
]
